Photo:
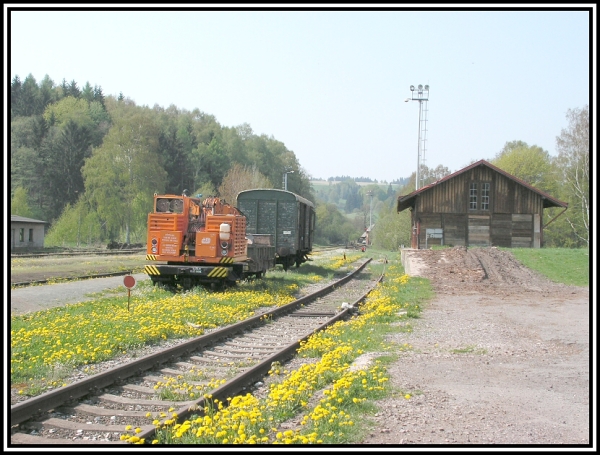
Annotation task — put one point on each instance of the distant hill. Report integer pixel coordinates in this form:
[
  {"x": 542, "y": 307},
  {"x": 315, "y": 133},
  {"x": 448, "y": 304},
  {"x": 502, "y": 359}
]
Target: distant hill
[
  {"x": 395, "y": 185},
  {"x": 333, "y": 182},
  {"x": 361, "y": 181}
]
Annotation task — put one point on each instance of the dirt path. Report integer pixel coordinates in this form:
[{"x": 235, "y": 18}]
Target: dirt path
[{"x": 500, "y": 356}]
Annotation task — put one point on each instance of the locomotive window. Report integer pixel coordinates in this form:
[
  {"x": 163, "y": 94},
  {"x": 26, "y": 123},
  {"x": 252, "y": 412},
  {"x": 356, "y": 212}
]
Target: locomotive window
[
  {"x": 176, "y": 205},
  {"x": 162, "y": 205}
]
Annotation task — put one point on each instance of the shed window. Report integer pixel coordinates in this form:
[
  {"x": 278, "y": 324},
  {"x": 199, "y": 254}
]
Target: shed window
[
  {"x": 21, "y": 235},
  {"x": 473, "y": 196},
  {"x": 485, "y": 196},
  {"x": 31, "y": 235},
  {"x": 479, "y": 189}
]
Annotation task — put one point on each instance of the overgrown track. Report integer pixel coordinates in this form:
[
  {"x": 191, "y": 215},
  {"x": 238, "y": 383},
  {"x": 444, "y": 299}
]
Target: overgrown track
[
  {"x": 97, "y": 409},
  {"x": 102, "y": 252},
  {"x": 112, "y": 252},
  {"x": 77, "y": 278}
]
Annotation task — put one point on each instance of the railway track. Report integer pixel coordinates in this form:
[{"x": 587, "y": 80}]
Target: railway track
[
  {"x": 96, "y": 410},
  {"x": 20, "y": 284},
  {"x": 77, "y": 253}
]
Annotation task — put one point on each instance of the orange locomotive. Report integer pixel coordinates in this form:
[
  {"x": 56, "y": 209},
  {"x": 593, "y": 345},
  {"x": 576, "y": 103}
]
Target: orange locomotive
[{"x": 201, "y": 242}]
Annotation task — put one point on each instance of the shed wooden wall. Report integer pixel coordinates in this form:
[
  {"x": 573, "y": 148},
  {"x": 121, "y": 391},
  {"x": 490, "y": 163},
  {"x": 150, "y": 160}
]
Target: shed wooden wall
[{"x": 513, "y": 218}]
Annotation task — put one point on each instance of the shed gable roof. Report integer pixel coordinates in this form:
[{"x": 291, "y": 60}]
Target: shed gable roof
[
  {"x": 408, "y": 200},
  {"x": 22, "y": 219}
]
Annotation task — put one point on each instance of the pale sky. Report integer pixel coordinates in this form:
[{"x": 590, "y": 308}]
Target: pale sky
[{"x": 331, "y": 85}]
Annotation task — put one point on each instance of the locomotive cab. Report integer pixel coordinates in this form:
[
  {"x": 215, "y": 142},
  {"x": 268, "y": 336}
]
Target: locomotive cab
[{"x": 197, "y": 241}]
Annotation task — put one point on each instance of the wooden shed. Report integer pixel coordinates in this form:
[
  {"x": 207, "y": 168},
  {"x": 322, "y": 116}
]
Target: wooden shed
[{"x": 480, "y": 205}]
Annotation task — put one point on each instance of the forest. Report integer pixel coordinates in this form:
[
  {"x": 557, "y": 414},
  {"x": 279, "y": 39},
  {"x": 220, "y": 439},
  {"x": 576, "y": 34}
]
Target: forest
[{"x": 89, "y": 164}]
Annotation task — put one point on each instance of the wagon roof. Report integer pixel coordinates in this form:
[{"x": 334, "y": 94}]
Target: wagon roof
[
  {"x": 408, "y": 200},
  {"x": 278, "y": 192}
]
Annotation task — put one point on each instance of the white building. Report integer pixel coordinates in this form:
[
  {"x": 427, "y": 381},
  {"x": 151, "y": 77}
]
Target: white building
[{"x": 26, "y": 233}]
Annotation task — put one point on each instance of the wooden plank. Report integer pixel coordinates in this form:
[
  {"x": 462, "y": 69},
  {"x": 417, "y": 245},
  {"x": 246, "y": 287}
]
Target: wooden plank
[
  {"x": 479, "y": 229},
  {"x": 522, "y": 217}
]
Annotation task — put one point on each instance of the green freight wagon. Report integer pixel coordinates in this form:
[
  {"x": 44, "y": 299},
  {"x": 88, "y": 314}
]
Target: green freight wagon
[{"x": 287, "y": 217}]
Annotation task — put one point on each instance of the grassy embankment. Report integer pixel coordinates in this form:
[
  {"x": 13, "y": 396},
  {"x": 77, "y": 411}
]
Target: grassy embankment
[{"x": 561, "y": 265}]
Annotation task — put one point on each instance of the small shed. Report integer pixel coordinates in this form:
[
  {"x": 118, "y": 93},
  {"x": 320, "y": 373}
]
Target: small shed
[
  {"x": 480, "y": 205},
  {"x": 26, "y": 232}
]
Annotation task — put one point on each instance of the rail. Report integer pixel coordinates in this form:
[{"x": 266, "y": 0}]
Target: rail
[{"x": 35, "y": 406}]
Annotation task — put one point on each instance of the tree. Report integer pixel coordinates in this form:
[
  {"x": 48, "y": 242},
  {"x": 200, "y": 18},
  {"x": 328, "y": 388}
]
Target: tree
[
  {"x": 30, "y": 97},
  {"x": 122, "y": 175},
  {"x": 27, "y": 164},
  {"x": 430, "y": 175},
  {"x": 76, "y": 225},
  {"x": 574, "y": 162},
  {"x": 48, "y": 93},
  {"x": 87, "y": 93},
  {"x": 15, "y": 98},
  {"x": 240, "y": 178},
  {"x": 210, "y": 163},
  {"x": 332, "y": 226},
  {"x": 63, "y": 152},
  {"x": 73, "y": 90},
  {"x": 531, "y": 164},
  {"x": 19, "y": 203},
  {"x": 392, "y": 230},
  {"x": 98, "y": 95},
  {"x": 177, "y": 142}
]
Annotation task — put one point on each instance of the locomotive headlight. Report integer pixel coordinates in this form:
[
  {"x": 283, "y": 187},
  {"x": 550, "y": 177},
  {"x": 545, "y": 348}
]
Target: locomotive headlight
[
  {"x": 154, "y": 243},
  {"x": 224, "y": 252},
  {"x": 224, "y": 245}
]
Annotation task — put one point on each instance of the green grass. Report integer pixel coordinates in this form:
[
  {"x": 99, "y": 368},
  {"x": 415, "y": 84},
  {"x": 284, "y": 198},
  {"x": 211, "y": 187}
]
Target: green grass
[{"x": 561, "y": 265}]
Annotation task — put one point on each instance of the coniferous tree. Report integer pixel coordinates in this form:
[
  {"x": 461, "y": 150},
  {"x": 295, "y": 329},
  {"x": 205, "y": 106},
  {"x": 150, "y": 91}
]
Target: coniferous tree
[
  {"x": 98, "y": 95},
  {"x": 87, "y": 93},
  {"x": 30, "y": 97},
  {"x": 74, "y": 90},
  {"x": 47, "y": 93},
  {"x": 15, "y": 98}
]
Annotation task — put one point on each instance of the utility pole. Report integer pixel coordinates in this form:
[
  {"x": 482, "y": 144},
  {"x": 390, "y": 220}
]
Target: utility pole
[
  {"x": 422, "y": 95},
  {"x": 370, "y": 194},
  {"x": 285, "y": 174}
]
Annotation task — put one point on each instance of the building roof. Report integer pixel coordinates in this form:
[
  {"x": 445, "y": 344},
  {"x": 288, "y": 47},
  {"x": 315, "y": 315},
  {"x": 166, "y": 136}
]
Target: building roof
[
  {"x": 408, "y": 200},
  {"x": 22, "y": 219}
]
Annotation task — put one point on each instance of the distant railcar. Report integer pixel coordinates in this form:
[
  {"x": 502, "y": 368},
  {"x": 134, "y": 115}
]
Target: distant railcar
[{"x": 287, "y": 218}]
